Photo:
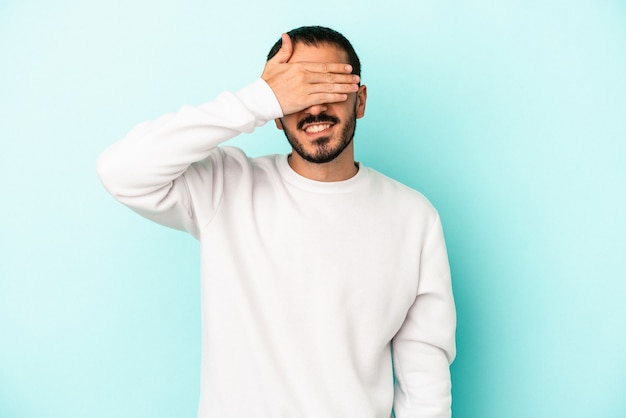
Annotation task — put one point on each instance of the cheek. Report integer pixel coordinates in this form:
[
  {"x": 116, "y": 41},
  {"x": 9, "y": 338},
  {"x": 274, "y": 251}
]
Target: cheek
[
  {"x": 288, "y": 123},
  {"x": 346, "y": 109}
]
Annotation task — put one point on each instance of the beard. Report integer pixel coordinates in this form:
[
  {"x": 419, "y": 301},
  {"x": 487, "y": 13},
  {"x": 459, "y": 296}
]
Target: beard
[{"x": 324, "y": 152}]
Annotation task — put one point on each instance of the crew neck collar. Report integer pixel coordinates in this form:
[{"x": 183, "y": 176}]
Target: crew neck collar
[{"x": 305, "y": 183}]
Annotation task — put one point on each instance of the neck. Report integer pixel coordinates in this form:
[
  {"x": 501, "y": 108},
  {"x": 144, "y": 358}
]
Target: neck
[{"x": 341, "y": 168}]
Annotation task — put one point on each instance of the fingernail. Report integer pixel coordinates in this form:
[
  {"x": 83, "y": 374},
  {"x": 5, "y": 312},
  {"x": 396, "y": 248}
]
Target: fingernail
[
  {"x": 348, "y": 68},
  {"x": 356, "y": 78}
]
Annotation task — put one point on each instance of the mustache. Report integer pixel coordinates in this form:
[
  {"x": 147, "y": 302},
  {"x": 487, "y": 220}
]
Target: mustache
[{"x": 322, "y": 117}]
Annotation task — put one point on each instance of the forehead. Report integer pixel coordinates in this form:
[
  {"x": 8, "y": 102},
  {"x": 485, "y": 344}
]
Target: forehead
[{"x": 323, "y": 52}]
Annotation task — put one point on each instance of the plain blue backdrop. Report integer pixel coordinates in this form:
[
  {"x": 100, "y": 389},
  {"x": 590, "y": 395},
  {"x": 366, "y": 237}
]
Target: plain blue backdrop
[{"x": 509, "y": 115}]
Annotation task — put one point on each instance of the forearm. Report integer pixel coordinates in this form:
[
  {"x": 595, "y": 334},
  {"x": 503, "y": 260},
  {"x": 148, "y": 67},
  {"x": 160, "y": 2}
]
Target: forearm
[
  {"x": 423, "y": 383},
  {"x": 155, "y": 153}
]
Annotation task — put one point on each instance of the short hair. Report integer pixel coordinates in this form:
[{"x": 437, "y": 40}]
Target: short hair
[{"x": 316, "y": 35}]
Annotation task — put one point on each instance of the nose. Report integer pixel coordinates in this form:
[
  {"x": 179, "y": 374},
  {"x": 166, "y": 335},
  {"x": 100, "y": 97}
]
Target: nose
[{"x": 316, "y": 109}]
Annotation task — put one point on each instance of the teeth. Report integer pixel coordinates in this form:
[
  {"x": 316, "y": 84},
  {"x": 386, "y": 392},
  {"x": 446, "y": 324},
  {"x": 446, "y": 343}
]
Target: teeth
[{"x": 317, "y": 128}]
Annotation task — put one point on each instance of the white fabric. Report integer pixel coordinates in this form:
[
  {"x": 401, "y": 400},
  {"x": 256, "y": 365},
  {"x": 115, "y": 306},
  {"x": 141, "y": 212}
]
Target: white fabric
[{"x": 314, "y": 295}]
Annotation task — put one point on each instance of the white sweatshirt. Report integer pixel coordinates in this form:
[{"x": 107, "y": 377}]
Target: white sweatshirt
[{"x": 320, "y": 300}]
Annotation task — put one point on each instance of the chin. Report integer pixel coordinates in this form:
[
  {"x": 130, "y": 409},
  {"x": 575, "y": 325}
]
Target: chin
[{"x": 325, "y": 148}]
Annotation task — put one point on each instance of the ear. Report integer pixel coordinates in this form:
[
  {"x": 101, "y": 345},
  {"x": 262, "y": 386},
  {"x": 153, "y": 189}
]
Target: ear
[
  {"x": 361, "y": 98},
  {"x": 279, "y": 124}
]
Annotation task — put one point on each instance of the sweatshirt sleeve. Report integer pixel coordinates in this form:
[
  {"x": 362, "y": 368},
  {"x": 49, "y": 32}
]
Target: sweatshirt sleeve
[
  {"x": 424, "y": 347},
  {"x": 147, "y": 169}
]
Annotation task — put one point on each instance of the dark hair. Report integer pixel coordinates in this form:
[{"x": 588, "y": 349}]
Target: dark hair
[{"x": 316, "y": 35}]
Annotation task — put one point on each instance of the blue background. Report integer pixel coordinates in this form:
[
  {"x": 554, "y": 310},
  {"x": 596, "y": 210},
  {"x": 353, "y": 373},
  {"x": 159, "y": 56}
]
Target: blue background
[{"x": 509, "y": 115}]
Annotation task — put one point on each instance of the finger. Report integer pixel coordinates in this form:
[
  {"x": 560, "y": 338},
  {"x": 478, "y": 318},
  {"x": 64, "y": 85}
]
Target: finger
[
  {"x": 286, "y": 49},
  {"x": 331, "y": 78},
  {"x": 322, "y": 98},
  {"x": 330, "y": 88},
  {"x": 327, "y": 67}
]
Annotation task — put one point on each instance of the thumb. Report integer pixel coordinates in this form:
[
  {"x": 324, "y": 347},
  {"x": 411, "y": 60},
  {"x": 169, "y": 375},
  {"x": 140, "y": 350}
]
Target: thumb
[{"x": 286, "y": 49}]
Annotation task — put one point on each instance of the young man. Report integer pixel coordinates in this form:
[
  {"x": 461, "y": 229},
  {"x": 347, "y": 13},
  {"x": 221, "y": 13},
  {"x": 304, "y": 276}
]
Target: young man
[{"x": 325, "y": 285}]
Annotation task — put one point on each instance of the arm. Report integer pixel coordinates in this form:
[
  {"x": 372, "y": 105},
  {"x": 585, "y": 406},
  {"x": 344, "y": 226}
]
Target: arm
[
  {"x": 424, "y": 346},
  {"x": 146, "y": 170}
]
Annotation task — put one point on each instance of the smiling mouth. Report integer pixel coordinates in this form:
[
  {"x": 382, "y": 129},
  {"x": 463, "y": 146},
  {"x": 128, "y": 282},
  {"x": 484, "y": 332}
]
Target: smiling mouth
[
  {"x": 314, "y": 124},
  {"x": 317, "y": 128}
]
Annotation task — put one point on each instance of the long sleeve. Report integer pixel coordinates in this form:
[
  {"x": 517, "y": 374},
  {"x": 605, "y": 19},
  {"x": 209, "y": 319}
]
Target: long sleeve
[
  {"x": 146, "y": 170},
  {"x": 424, "y": 346}
]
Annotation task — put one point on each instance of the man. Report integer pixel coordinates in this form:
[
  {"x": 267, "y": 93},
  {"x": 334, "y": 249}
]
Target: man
[{"x": 325, "y": 285}]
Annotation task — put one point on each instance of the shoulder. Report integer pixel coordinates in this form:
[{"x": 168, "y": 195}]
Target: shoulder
[{"x": 399, "y": 197}]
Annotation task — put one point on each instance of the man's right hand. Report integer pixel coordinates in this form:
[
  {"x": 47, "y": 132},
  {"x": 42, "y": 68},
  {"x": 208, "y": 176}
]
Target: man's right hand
[{"x": 300, "y": 85}]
